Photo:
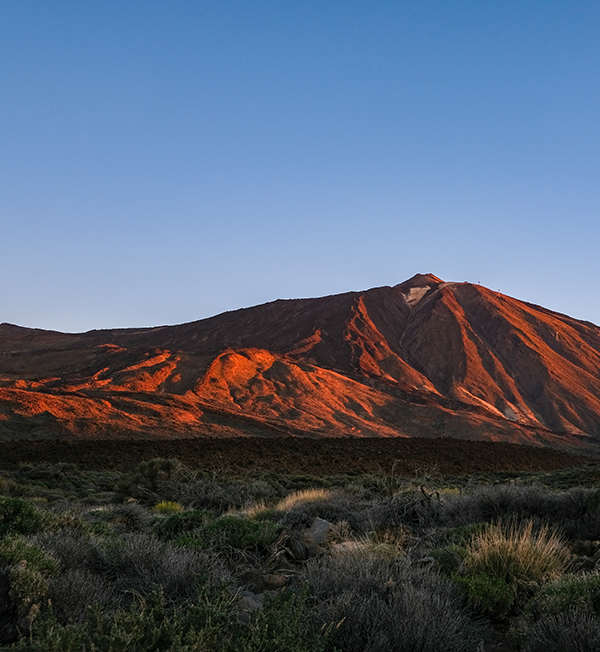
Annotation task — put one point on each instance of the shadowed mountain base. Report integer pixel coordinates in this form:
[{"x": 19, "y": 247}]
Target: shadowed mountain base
[{"x": 300, "y": 456}]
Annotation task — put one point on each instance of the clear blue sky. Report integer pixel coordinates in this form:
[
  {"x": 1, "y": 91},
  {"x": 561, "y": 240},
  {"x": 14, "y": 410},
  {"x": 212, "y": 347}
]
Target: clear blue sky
[{"x": 162, "y": 162}]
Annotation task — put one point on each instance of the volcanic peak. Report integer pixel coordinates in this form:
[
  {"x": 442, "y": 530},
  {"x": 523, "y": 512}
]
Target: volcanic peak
[
  {"x": 423, "y": 358},
  {"x": 415, "y": 288},
  {"x": 419, "y": 280}
]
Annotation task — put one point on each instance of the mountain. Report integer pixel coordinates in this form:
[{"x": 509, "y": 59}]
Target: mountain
[{"x": 424, "y": 358}]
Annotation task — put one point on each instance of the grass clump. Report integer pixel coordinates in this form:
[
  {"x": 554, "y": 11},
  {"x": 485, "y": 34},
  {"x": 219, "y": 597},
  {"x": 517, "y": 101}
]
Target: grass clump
[
  {"x": 301, "y": 497},
  {"x": 519, "y": 555}
]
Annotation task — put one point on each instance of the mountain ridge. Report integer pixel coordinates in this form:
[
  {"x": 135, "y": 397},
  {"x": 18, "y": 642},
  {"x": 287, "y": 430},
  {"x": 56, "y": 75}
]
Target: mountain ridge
[{"x": 421, "y": 358}]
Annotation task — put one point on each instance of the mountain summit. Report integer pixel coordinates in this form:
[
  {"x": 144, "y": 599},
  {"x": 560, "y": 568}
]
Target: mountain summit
[{"x": 423, "y": 358}]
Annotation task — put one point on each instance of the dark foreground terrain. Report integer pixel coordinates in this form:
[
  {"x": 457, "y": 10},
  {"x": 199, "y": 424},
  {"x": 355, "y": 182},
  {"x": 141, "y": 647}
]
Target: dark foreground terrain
[
  {"x": 297, "y": 545},
  {"x": 445, "y": 456}
]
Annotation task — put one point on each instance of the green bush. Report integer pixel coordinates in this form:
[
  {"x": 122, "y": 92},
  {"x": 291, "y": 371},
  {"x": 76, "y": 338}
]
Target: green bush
[
  {"x": 449, "y": 559},
  {"x": 208, "y": 625},
  {"x": 490, "y": 595},
  {"x": 578, "y": 592},
  {"x": 182, "y": 522},
  {"x": 29, "y": 571},
  {"x": 147, "y": 625},
  {"x": 283, "y": 625},
  {"x": 234, "y": 532},
  {"x": 15, "y": 550},
  {"x": 18, "y": 516},
  {"x": 463, "y": 534}
]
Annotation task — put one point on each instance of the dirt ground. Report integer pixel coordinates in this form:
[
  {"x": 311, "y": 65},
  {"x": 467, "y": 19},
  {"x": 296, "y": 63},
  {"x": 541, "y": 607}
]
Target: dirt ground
[{"x": 298, "y": 455}]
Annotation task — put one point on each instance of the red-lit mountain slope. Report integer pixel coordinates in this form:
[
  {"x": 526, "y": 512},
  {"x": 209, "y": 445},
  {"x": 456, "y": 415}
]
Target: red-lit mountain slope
[{"x": 424, "y": 358}]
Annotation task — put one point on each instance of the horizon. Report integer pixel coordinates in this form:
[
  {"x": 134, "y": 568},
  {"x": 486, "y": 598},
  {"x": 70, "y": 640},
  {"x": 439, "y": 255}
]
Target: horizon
[{"x": 167, "y": 163}]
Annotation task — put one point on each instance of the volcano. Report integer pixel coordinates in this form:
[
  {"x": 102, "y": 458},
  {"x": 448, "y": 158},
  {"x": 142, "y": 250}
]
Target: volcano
[{"x": 425, "y": 358}]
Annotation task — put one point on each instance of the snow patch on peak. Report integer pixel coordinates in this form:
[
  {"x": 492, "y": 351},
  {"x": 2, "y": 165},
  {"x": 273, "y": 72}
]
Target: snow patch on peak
[{"x": 414, "y": 295}]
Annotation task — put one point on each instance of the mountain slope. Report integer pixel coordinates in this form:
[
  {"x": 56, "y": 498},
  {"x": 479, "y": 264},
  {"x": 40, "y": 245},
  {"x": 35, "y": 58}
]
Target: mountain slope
[{"x": 423, "y": 358}]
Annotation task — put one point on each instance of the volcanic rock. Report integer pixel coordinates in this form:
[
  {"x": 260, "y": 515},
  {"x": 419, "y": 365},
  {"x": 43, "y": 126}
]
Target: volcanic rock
[{"x": 424, "y": 358}]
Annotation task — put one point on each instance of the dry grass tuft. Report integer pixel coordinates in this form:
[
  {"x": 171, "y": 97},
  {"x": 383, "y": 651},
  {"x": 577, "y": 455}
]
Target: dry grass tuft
[
  {"x": 261, "y": 510},
  {"x": 519, "y": 555},
  {"x": 255, "y": 510},
  {"x": 301, "y": 497}
]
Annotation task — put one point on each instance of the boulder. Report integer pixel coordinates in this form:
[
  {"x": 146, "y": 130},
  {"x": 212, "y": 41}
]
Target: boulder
[{"x": 248, "y": 604}]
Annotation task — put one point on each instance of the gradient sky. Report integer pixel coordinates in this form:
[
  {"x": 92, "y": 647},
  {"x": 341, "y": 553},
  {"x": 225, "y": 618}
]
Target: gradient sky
[{"x": 161, "y": 162}]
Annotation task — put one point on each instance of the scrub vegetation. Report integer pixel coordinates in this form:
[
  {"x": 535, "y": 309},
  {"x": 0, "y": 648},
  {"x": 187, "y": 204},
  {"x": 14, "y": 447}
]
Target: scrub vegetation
[{"x": 168, "y": 558}]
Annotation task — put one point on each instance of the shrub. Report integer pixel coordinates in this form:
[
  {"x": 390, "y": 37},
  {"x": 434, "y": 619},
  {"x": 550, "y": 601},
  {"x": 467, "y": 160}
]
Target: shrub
[
  {"x": 328, "y": 506},
  {"x": 283, "y": 625},
  {"x": 167, "y": 507},
  {"x": 148, "y": 625},
  {"x": 209, "y": 625},
  {"x": 578, "y": 592},
  {"x": 182, "y": 522},
  {"x": 144, "y": 482},
  {"x": 197, "y": 491},
  {"x": 416, "y": 509},
  {"x": 18, "y": 516},
  {"x": 15, "y": 550},
  {"x": 71, "y": 548},
  {"x": 138, "y": 562},
  {"x": 580, "y": 513},
  {"x": 234, "y": 532},
  {"x": 488, "y": 594},
  {"x": 27, "y": 574},
  {"x": 397, "y": 535},
  {"x": 566, "y": 632},
  {"x": 75, "y": 590},
  {"x": 491, "y": 503},
  {"x": 381, "y": 604},
  {"x": 8, "y": 486},
  {"x": 576, "y": 511},
  {"x": 130, "y": 517}
]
